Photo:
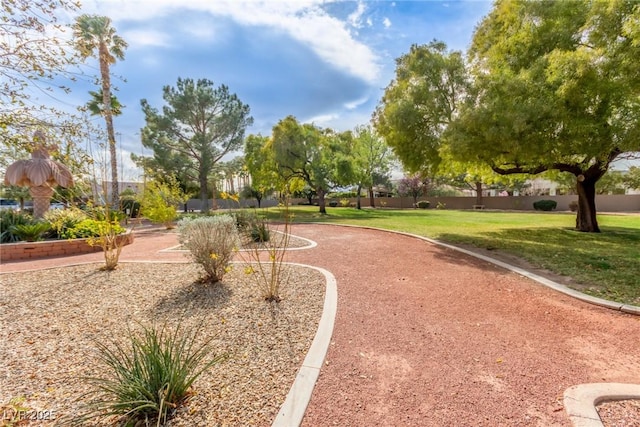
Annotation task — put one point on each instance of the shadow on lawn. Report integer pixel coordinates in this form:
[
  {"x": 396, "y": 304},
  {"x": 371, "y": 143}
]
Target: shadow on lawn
[
  {"x": 602, "y": 264},
  {"x": 551, "y": 239}
]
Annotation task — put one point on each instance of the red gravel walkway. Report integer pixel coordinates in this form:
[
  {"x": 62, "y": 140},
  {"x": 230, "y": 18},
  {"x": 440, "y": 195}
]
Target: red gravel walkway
[{"x": 425, "y": 336}]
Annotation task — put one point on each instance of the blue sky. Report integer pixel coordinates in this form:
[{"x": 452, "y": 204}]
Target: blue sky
[{"x": 324, "y": 62}]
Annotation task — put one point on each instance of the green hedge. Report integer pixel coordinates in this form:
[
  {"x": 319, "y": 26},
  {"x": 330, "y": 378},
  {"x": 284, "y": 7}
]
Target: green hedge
[{"x": 545, "y": 205}]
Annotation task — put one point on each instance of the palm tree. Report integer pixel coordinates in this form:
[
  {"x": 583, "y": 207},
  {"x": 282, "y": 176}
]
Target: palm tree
[
  {"x": 94, "y": 34},
  {"x": 96, "y": 105}
]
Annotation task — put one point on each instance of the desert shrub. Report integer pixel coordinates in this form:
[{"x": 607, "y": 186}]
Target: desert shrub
[
  {"x": 160, "y": 214},
  {"x": 343, "y": 194},
  {"x": 244, "y": 219},
  {"x": 30, "y": 232},
  {"x": 545, "y": 205},
  {"x": 132, "y": 207},
  {"x": 148, "y": 376},
  {"x": 90, "y": 227},
  {"x": 211, "y": 241},
  {"x": 9, "y": 218},
  {"x": 62, "y": 220},
  {"x": 423, "y": 204},
  {"x": 160, "y": 201},
  {"x": 345, "y": 203},
  {"x": 573, "y": 205},
  {"x": 259, "y": 231}
]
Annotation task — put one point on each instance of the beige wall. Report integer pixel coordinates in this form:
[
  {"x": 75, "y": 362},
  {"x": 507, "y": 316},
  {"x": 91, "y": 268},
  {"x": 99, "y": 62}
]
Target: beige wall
[{"x": 613, "y": 203}]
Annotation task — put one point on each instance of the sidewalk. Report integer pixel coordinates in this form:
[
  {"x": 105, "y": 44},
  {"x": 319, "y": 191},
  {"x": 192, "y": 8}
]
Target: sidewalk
[{"x": 425, "y": 336}]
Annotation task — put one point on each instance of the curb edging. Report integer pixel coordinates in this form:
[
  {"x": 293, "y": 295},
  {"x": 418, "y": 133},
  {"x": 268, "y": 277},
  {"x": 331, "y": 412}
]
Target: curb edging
[
  {"x": 295, "y": 405},
  {"x": 580, "y": 401}
]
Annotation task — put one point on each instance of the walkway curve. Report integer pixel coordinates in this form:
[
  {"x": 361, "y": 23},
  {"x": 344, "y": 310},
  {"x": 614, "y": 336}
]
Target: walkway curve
[
  {"x": 427, "y": 336},
  {"x": 626, "y": 308},
  {"x": 430, "y": 337}
]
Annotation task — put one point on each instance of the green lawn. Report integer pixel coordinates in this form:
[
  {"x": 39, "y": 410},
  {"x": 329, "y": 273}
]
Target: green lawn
[{"x": 607, "y": 263}]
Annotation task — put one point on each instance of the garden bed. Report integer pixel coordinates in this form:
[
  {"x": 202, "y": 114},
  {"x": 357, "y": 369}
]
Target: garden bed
[{"x": 53, "y": 318}]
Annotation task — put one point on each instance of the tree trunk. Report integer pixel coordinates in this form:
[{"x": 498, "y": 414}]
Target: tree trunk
[
  {"x": 321, "y": 201},
  {"x": 478, "y": 193},
  {"x": 108, "y": 117},
  {"x": 372, "y": 202},
  {"x": 204, "y": 199},
  {"x": 586, "y": 219},
  {"x": 259, "y": 199},
  {"x": 358, "y": 206}
]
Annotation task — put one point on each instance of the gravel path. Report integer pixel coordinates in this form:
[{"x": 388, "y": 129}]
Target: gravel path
[{"x": 425, "y": 336}]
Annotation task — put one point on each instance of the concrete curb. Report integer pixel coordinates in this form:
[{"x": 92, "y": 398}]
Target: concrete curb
[
  {"x": 292, "y": 410},
  {"x": 580, "y": 401}
]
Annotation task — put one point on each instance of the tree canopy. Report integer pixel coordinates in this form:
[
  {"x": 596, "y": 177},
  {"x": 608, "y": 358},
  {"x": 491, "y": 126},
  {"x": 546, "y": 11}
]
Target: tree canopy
[
  {"x": 372, "y": 157},
  {"x": 420, "y": 102},
  {"x": 319, "y": 157},
  {"x": 35, "y": 58},
  {"x": 548, "y": 86},
  {"x": 259, "y": 161},
  {"x": 198, "y": 125},
  {"x": 557, "y": 88}
]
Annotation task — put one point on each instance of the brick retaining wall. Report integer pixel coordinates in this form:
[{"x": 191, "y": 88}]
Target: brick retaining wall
[{"x": 51, "y": 248}]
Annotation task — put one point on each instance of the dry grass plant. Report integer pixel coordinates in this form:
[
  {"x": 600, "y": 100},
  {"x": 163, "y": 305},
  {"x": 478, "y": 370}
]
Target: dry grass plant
[{"x": 270, "y": 274}]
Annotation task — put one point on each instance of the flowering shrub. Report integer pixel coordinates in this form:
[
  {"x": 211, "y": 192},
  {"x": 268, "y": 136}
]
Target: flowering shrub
[
  {"x": 63, "y": 220},
  {"x": 91, "y": 228},
  {"x": 211, "y": 242}
]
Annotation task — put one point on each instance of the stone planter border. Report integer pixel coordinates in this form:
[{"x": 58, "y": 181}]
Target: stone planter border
[{"x": 52, "y": 248}]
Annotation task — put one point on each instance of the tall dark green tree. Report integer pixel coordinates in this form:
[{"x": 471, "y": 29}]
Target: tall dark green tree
[
  {"x": 94, "y": 36},
  {"x": 557, "y": 87},
  {"x": 319, "y": 157},
  {"x": 196, "y": 128}
]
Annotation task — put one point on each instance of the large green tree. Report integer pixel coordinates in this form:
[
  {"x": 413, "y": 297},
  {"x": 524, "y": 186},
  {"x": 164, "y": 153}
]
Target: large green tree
[
  {"x": 632, "y": 178},
  {"x": 557, "y": 87},
  {"x": 95, "y": 36},
  {"x": 419, "y": 104},
  {"x": 372, "y": 157},
  {"x": 259, "y": 161},
  {"x": 197, "y": 127},
  {"x": 319, "y": 157}
]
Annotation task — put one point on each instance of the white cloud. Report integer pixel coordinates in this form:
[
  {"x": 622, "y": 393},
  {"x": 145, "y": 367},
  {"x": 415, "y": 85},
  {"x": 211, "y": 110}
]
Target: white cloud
[
  {"x": 144, "y": 38},
  {"x": 355, "y": 104},
  {"x": 355, "y": 18},
  {"x": 386, "y": 22},
  {"x": 322, "y": 120},
  {"x": 303, "y": 20}
]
